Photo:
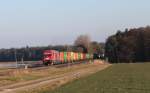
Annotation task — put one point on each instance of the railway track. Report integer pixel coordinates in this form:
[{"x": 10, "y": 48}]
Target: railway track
[{"x": 40, "y": 66}]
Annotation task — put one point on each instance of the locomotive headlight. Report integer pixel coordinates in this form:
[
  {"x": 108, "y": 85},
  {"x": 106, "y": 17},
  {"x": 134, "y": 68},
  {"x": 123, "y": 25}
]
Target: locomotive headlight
[{"x": 47, "y": 58}]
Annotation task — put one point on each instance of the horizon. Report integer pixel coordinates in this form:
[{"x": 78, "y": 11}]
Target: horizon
[{"x": 48, "y": 22}]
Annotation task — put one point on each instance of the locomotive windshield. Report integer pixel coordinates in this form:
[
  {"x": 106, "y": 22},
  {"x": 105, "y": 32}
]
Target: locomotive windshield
[{"x": 47, "y": 55}]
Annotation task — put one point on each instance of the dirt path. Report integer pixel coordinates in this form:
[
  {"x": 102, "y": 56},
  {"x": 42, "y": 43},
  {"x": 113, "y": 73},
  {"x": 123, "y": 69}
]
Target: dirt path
[{"x": 53, "y": 81}]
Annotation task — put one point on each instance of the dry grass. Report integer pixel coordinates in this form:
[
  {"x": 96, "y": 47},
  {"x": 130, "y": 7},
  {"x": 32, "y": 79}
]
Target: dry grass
[
  {"x": 8, "y": 77},
  {"x": 85, "y": 71}
]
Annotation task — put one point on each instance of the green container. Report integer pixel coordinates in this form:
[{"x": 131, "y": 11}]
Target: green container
[
  {"x": 79, "y": 56},
  {"x": 65, "y": 56},
  {"x": 87, "y": 56}
]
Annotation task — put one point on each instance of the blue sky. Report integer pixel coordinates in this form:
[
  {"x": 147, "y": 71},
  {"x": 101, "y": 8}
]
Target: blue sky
[{"x": 45, "y": 22}]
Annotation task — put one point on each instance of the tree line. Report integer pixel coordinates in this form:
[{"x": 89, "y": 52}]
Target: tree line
[
  {"x": 131, "y": 45},
  {"x": 83, "y": 43}
]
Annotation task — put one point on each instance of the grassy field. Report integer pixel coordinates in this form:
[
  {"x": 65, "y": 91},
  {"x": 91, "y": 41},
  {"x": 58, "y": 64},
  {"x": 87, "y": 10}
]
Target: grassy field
[{"x": 119, "y": 78}]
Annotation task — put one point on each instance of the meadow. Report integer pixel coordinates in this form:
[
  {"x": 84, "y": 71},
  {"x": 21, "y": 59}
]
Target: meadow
[{"x": 118, "y": 78}]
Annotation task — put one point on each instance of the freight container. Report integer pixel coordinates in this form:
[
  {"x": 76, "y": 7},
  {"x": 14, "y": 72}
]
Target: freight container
[
  {"x": 61, "y": 57},
  {"x": 75, "y": 56},
  {"x": 79, "y": 56},
  {"x": 87, "y": 56},
  {"x": 72, "y": 56},
  {"x": 69, "y": 56},
  {"x": 65, "y": 56},
  {"x": 84, "y": 56},
  {"x": 91, "y": 56}
]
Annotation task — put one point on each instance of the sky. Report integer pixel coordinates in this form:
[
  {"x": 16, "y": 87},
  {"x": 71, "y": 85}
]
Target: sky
[{"x": 53, "y": 22}]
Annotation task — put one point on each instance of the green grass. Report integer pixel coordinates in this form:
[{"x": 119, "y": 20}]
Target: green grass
[{"x": 119, "y": 78}]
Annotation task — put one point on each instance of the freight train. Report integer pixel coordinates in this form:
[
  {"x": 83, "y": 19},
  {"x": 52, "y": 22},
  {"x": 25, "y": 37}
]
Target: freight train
[{"x": 51, "y": 57}]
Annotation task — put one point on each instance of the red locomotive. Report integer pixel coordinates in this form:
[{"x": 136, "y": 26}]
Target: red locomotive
[{"x": 50, "y": 57}]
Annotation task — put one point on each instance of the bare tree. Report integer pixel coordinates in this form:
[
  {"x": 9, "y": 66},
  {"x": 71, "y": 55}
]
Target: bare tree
[{"x": 83, "y": 41}]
